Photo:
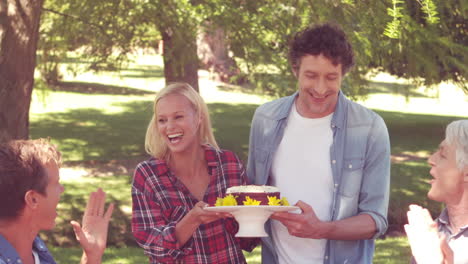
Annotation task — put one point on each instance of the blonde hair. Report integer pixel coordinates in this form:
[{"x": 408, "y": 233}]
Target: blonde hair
[{"x": 154, "y": 143}]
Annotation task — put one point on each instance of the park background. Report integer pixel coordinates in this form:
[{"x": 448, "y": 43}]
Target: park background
[{"x": 97, "y": 65}]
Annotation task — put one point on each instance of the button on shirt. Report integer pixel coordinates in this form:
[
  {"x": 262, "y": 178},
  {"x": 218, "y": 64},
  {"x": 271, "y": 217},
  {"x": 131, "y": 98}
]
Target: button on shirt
[{"x": 8, "y": 254}]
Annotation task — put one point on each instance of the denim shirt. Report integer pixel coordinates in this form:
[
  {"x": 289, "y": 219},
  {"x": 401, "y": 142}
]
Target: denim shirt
[
  {"x": 360, "y": 162},
  {"x": 8, "y": 254}
]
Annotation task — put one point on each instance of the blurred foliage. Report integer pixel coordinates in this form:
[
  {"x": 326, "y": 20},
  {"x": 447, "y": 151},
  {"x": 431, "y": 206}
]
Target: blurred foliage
[
  {"x": 101, "y": 32},
  {"x": 424, "y": 40}
]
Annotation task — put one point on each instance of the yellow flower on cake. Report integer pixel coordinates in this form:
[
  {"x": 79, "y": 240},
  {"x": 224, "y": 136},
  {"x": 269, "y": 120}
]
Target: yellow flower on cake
[
  {"x": 284, "y": 201},
  {"x": 272, "y": 200},
  {"x": 249, "y": 201},
  {"x": 219, "y": 201},
  {"x": 229, "y": 200}
]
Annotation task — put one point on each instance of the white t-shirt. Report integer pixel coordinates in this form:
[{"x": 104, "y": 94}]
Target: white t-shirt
[
  {"x": 301, "y": 169},
  {"x": 36, "y": 258}
]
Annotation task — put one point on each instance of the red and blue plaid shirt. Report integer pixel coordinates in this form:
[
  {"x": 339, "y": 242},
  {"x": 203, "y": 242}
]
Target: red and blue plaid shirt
[{"x": 160, "y": 201}]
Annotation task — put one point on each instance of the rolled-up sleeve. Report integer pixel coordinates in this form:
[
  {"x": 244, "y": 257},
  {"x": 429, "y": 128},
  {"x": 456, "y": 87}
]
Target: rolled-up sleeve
[
  {"x": 375, "y": 189},
  {"x": 150, "y": 226}
]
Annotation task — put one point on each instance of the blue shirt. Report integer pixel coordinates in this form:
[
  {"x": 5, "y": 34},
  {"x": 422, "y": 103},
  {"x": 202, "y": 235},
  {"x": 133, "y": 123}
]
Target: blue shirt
[
  {"x": 8, "y": 254},
  {"x": 360, "y": 162}
]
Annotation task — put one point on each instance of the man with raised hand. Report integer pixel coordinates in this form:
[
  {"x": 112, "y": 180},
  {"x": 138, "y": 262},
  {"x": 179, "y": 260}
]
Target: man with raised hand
[{"x": 30, "y": 191}]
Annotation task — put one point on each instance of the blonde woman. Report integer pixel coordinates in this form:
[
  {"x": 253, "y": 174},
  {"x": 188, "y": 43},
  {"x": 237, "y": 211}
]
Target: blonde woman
[{"x": 186, "y": 172}]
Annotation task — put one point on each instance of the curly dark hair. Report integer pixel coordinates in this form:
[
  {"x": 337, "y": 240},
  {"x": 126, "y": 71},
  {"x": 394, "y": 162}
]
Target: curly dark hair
[
  {"x": 327, "y": 39},
  {"x": 22, "y": 168}
]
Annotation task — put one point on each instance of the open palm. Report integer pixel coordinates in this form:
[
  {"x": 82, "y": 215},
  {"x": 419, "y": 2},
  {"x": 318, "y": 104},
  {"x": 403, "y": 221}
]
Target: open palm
[{"x": 92, "y": 235}]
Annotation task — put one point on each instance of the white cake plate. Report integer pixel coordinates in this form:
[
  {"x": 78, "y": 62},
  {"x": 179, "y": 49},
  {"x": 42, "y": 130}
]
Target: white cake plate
[{"x": 251, "y": 218}]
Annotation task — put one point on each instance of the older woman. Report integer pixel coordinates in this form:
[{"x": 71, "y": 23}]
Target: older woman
[
  {"x": 187, "y": 171},
  {"x": 30, "y": 190},
  {"x": 446, "y": 239}
]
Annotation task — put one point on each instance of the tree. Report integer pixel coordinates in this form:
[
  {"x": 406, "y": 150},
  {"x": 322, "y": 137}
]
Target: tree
[
  {"x": 177, "y": 25},
  {"x": 19, "y": 31},
  {"x": 105, "y": 31},
  {"x": 424, "y": 40},
  {"x": 427, "y": 44},
  {"x": 213, "y": 52}
]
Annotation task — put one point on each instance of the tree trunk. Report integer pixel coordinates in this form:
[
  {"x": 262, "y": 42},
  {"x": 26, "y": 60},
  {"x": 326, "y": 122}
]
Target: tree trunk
[
  {"x": 180, "y": 57},
  {"x": 19, "y": 33},
  {"x": 213, "y": 51}
]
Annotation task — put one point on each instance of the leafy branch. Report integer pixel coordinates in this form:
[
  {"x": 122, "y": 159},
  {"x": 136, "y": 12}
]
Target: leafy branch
[
  {"x": 429, "y": 8},
  {"x": 392, "y": 30}
]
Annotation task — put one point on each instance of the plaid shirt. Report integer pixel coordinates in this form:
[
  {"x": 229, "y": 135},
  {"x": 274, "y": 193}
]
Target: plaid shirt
[{"x": 160, "y": 201}]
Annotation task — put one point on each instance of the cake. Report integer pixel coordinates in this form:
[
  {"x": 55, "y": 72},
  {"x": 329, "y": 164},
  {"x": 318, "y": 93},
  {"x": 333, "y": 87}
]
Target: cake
[{"x": 254, "y": 192}]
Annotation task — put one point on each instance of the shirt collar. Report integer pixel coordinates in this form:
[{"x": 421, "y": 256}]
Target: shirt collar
[
  {"x": 210, "y": 155},
  {"x": 39, "y": 245},
  {"x": 339, "y": 114},
  {"x": 443, "y": 221},
  {"x": 285, "y": 109},
  {"x": 7, "y": 250},
  {"x": 443, "y": 217}
]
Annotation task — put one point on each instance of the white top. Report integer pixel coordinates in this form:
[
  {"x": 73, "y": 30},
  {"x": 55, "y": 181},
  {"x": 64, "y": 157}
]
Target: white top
[
  {"x": 301, "y": 169},
  {"x": 36, "y": 258},
  {"x": 459, "y": 246},
  {"x": 252, "y": 189}
]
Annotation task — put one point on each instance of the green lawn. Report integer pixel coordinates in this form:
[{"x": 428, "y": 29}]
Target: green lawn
[
  {"x": 99, "y": 122},
  {"x": 391, "y": 250}
]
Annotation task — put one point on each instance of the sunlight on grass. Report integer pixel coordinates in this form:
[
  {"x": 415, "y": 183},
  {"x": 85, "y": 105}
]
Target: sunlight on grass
[
  {"x": 144, "y": 72},
  {"x": 424, "y": 154},
  {"x": 65, "y": 101},
  {"x": 392, "y": 250},
  {"x": 112, "y": 255},
  {"x": 446, "y": 99},
  {"x": 254, "y": 257}
]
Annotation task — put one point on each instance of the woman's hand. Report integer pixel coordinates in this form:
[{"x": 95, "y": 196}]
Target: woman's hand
[
  {"x": 93, "y": 234},
  {"x": 202, "y": 216},
  {"x": 423, "y": 237},
  {"x": 193, "y": 219}
]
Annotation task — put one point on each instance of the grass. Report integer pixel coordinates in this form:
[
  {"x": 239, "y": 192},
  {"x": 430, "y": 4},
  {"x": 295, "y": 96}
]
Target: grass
[
  {"x": 112, "y": 255},
  {"x": 390, "y": 250},
  {"x": 99, "y": 120}
]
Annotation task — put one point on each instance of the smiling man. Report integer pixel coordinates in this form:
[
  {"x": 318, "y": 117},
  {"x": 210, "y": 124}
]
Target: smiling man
[{"x": 326, "y": 152}]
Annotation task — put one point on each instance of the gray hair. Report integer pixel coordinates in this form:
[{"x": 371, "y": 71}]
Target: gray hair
[{"x": 456, "y": 135}]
